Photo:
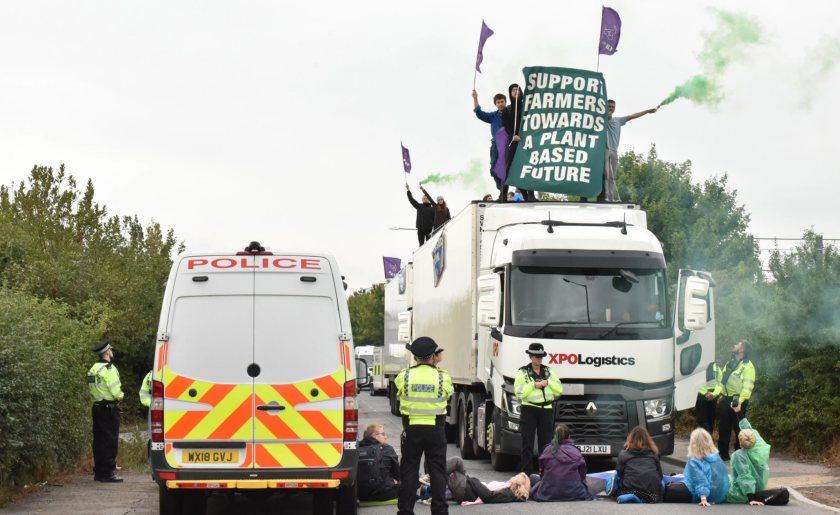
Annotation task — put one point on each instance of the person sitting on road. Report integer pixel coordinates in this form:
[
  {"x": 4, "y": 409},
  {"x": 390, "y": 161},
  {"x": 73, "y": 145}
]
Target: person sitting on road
[
  {"x": 470, "y": 490},
  {"x": 638, "y": 467},
  {"x": 750, "y": 471},
  {"x": 706, "y": 476},
  {"x": 379, "y": 466},
  {"x": 563, "y": 471}
]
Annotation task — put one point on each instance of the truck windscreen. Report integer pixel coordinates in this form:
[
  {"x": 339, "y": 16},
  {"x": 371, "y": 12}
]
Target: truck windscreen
[{"x": 608, "y": 300}]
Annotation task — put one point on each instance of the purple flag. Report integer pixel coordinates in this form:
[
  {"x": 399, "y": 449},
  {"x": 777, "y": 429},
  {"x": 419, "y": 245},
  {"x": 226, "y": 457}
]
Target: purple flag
[
  {"x": 392, "y": 266},
  {"x": 485, "y": 33},
  {"x": 406, "y": 159},
  {"x": 610, "y": 31}
]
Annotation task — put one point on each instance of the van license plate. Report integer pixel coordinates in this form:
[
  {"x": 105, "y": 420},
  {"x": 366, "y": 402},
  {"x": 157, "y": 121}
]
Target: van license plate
[
  {"x": 594, "y": 449},
  {"x": 210, "y": 457}
]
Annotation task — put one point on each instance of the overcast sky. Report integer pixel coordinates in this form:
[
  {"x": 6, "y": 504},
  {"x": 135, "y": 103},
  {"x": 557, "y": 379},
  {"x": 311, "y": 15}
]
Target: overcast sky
[{"x": 281, "y": 121}]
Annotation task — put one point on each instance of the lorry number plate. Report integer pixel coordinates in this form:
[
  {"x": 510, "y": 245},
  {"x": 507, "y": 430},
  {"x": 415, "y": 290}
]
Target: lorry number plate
[
  {"x": 594, "y": 449},
  {"x": 210, "y": 456}
]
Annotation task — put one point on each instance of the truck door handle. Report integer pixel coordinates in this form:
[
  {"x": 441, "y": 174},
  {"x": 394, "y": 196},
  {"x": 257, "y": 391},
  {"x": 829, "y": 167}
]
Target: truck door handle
[{"x": 271, "y": 407}]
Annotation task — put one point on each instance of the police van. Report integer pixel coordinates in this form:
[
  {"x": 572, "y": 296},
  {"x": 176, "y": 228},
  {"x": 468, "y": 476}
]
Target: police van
[{"x": 254, "y": 381}]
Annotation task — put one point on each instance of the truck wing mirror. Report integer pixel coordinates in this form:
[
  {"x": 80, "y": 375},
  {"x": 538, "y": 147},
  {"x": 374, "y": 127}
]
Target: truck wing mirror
[
  {"x": 489, "y": 300},
  {"x": 696, "y": 301}
]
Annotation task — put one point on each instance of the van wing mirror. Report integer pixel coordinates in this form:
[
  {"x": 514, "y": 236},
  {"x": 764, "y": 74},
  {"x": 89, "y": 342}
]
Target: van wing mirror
[
  {"x": 362, "y": 376},
  {"x": 404, "y": 328},
  {"x": 696, "y": 302},
  {"x": 489, "y": 300}
]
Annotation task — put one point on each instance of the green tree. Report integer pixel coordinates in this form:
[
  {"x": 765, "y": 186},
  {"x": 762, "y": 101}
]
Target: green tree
[{"x": 367, "y": 315}]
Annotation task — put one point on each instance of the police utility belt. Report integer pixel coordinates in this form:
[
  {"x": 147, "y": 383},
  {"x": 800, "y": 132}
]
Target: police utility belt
[{"x": 107, "y": 404}]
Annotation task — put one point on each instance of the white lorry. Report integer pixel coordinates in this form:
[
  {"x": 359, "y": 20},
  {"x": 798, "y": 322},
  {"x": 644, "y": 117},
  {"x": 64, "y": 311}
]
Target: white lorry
[
  {"x": 586, "y": 280},
  {"x": 392, "y": 356}
]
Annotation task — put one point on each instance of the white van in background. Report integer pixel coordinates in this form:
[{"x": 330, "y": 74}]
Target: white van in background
[{"x": 254, "y": 381}]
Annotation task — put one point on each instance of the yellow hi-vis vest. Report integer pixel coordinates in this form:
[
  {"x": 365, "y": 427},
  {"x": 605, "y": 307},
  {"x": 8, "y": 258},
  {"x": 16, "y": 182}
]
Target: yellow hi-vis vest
[
  {"x": 146, "y": 390},
  {"x": 703, "y": 390},
  {"x": 740, "y": 382},
  {"x": 529, "y": 395},
  {"x": 104, "y": 382},
  {"x": 423, "y": 391}
]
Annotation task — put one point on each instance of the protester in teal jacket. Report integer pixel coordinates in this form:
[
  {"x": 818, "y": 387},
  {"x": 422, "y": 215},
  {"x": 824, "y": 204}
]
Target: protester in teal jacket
[
  {"x": 750, "y": 471},
  {"x": 706, "y": 476}
]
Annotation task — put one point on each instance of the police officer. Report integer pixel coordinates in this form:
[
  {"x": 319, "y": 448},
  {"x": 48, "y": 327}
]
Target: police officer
[
  {"x": 705, "y": 406},
  {"x": 537, "y": 388},
  {"x": 423, "y": 391},
  {"x": 735, "y": 390},
  {"x": 146, "y": 390},
  {"x": 106, "y": 390}
]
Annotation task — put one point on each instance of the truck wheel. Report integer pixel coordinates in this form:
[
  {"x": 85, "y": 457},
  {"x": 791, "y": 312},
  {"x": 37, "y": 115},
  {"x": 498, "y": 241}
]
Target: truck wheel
[
  {"x": 169, "y": 501},
  {"x": 500, "y": 462},
  {"x": 464, "y": 440},
  {"x": 345, "y": 501},
  {"x": 475, "y": 400},
  {"x": 395, "y": 403}
]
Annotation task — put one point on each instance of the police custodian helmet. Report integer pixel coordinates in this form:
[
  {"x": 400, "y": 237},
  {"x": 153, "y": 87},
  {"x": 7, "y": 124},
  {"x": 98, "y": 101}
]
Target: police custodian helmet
[{"x": 424, "y": 347}]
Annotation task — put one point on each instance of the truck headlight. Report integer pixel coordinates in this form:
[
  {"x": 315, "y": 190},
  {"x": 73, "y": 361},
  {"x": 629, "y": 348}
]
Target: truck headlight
[
  {"x": 514, "y": 407},
  {"x": 658, "y": 408}
]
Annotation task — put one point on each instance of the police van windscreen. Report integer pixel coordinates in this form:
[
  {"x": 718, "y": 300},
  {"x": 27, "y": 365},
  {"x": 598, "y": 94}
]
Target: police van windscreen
[{"x": 588, "y": 297}]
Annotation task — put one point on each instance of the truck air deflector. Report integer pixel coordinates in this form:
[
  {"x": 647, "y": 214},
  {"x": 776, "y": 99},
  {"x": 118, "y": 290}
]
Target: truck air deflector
[{"x": 571, "y": 258}]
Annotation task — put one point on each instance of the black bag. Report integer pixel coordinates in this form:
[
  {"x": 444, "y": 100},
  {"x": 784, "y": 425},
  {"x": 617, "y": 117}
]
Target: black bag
[
  {"x": 773, "y": 497},
  {"x": 676, "y": 492},
  {"x": 371, "y": 472}
]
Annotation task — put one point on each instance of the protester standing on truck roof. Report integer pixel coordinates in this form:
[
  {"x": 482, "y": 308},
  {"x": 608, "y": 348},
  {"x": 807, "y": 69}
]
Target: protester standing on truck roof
[
  {"x": 495, "y": 121},
  {"x": 441, "y": 213},
  {"x": 609, "y": 192},
  {"x": 423, "y": 391},
  {"x": 735, "y": 390},
  {"x": 106, "y": 390},
  {"x": 537, "y": 388},
  {"x": 512, "y": 122},
  {"x": 425, "y": 216}
]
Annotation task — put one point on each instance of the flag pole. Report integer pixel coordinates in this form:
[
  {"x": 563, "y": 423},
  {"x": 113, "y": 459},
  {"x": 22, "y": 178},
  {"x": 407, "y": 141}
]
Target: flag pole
[
  {"x": 515, "y": 115},
  {"x": 598, "y": 65}
]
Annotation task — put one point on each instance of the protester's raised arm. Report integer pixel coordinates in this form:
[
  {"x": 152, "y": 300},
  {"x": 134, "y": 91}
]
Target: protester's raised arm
[{"x": 639, "y": 114}]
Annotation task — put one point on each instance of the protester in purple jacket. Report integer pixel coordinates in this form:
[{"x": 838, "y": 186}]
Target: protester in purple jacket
[{"x": 563, "y": 471}]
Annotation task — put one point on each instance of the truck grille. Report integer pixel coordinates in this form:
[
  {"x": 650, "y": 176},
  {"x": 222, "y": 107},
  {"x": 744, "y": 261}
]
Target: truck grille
[
  {"x": 571, "y": 411},
  {"x": 591, "y": 431}
]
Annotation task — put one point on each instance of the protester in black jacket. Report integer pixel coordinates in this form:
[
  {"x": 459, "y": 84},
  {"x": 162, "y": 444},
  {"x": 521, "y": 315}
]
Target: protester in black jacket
[
  {"x": 425, "y": 216},
  {"x": 379, "y": 466},
  {"x": 638, "y": 467},
  {"x": 512, "y": 122}
]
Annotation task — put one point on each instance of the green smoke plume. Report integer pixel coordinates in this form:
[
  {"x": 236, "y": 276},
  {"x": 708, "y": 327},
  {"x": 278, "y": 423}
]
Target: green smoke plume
[
  {"x": 820, "y": 62},
  {"x": 472, "y": 178},
  {"x": 725, "y": 45}
]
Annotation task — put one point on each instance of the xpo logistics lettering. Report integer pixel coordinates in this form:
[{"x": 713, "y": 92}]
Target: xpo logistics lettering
[{"x": 589, "y": 282}]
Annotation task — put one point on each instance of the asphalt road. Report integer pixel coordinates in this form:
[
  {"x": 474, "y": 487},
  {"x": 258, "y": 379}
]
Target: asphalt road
[{"x": 138, "y": 495}]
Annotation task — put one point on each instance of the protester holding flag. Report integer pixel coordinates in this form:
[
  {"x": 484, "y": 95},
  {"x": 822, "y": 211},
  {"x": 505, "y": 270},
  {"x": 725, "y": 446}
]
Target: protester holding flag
[
  {"x": 495, "y": 121},
  {"x": 614, "y": 124},
  {"x": 425, "y": 216},
  {"x": 441, "y": 213}
]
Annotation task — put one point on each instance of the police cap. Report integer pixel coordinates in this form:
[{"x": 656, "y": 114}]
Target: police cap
[
  {"x": 536, "y": 349},
  {"x": 423, "y": 347},
  {"x": 102, "y": 346}
]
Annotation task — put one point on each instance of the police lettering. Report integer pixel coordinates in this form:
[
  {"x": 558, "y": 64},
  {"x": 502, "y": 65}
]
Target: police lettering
[
  {"x": 596, "y": 361},
  {"x": 425, "y": 388},
  {"x": 262, "y": 263}
]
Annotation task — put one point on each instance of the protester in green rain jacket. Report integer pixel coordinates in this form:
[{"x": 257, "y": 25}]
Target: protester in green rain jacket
[{"x": 750, "y": 471}]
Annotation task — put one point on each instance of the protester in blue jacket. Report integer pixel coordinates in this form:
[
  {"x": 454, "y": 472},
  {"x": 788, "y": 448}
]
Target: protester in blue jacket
[
  {"x": 495, "y": 121},
  {"x": 706, "y": 476}
]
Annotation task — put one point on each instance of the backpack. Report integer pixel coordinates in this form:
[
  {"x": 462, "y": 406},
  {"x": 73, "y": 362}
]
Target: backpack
[{"x": 371, "y": 472}]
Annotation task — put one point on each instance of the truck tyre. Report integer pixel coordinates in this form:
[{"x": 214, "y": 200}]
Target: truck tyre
[
  {"x": 475, "y": 401},
  {"x": 345, "y": 501},
  {"x": 392, "y": 397},
  {"x": 464, "y": 441},
  {"x": 169, "y": 501},
  {"x": 500, "y": 462}
]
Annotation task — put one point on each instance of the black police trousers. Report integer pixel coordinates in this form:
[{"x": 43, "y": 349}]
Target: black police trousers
[
  {"x": 706, "y": 412},
  {"x": 534, "y": 420},
  {"x": 727, "y": 423},
  {"x": 106, "y": 434},
  {"x": 416, "y": 442}
]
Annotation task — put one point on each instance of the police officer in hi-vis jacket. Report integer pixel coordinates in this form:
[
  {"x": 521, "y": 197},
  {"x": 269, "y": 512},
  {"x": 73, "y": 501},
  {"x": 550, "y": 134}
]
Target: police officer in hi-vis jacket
[
  {"x": 423, "y": 391},
  {"x": 537, "y": 388},
  {"x": 106, "y": 390}
]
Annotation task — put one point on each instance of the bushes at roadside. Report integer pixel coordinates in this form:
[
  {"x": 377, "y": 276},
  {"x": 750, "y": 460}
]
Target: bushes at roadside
[{"x": 44, "y": 405}]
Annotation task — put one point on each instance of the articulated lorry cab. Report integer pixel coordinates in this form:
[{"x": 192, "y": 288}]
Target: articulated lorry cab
[
  {"x": 589, "y": 282},
  {"x": 254, "y": 381}
]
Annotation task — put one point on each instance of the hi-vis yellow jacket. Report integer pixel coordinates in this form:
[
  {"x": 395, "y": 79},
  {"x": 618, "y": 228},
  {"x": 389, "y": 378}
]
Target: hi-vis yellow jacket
[
  {"x": 104, "y": 382},
  {"x": 424, "y": 392},
  {"x": 529, "y": 395}
]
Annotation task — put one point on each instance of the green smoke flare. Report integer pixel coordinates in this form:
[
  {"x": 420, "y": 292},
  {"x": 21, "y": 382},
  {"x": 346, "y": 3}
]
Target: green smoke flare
[
  {"x": 472, "y": 178},
  {"x": 725, "y": 45}
]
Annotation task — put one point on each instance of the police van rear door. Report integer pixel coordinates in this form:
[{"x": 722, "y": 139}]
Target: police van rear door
[
  {"x": 208, "y": 390},
  {"x": 303, "y": 365}
]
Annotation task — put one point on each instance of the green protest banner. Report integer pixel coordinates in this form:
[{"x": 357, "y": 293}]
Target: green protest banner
[{"x": 563, "y": 131}]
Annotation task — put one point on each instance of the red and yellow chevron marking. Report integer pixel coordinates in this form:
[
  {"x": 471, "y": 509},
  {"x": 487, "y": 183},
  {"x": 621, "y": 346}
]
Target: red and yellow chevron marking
[
  {"x": 347, "y": 355},
  {"x": 297, "y": 455}
]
